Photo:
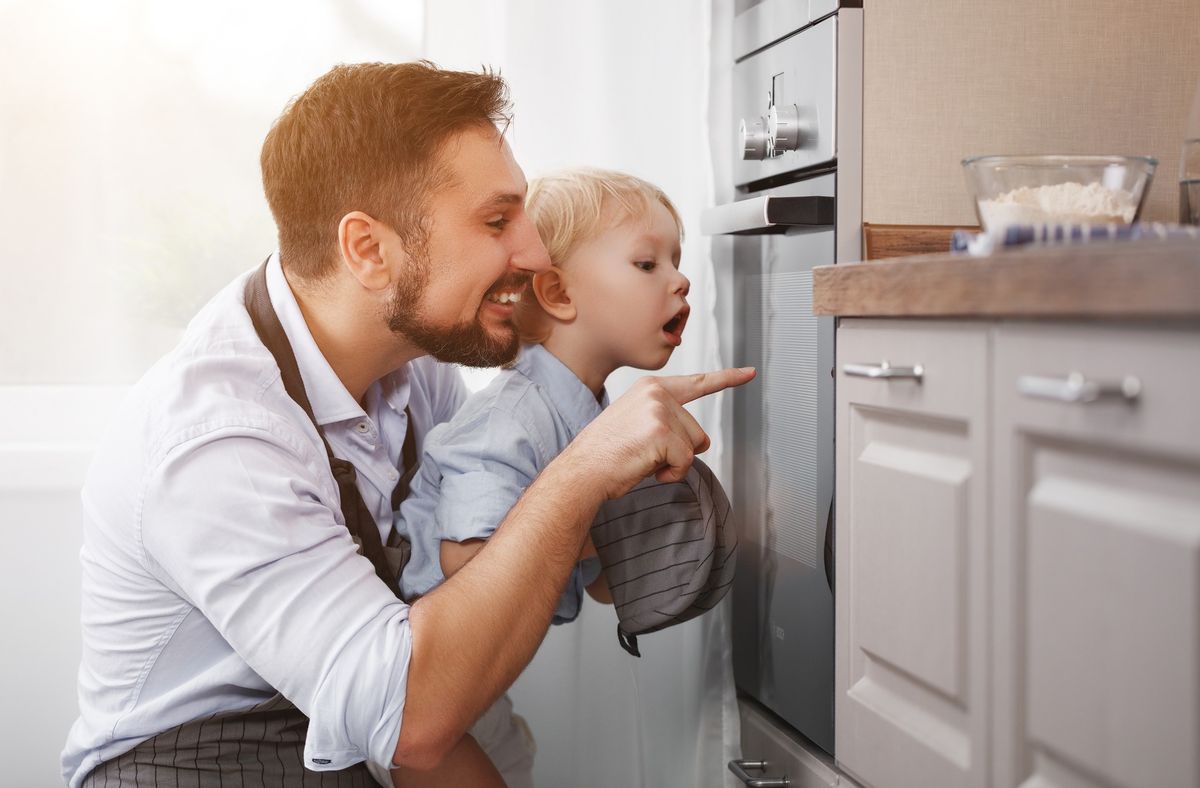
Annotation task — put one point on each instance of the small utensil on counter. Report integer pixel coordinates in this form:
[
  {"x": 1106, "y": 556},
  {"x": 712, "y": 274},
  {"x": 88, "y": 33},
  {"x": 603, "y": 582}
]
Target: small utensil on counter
[
  {"x": 1189, "y": 167},
  {"x": 983, "y": 244}
]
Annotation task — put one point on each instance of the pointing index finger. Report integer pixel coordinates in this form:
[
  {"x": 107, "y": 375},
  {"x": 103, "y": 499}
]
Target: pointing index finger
[{"x": 685, "y": 388}]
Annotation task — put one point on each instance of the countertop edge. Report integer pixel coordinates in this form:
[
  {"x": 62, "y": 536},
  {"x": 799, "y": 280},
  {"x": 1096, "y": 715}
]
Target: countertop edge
[{"x": 1146, "y": 280}]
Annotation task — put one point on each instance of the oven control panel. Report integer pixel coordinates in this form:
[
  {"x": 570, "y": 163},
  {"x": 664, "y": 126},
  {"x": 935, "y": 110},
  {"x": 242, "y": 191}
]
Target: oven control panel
[
  {"x": 756, "y": 145},
  {"x": 784, "y": 97},
  {"x": 774, "y": 135}
]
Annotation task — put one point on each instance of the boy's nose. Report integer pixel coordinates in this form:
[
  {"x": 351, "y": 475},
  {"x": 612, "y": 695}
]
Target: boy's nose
[{"x": 682, "y": 285}]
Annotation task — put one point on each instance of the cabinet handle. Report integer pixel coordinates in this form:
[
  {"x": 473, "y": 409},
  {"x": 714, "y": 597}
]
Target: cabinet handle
[
  {"x": 739, "y": 770},
  {"x": 1077, "y": 388},
  {"x": 884, "y": 371}
]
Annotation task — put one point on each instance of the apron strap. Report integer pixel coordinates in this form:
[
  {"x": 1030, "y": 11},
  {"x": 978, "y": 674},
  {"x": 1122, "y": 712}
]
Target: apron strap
[
  {"x": 358, "y": 518},
  {"x": 408, "y": 455}
]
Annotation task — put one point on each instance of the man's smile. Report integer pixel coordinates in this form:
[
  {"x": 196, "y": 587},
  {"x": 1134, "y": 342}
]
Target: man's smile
[
  {"x": 505, "y": 297},
  {"x": 506, "y": 293}
]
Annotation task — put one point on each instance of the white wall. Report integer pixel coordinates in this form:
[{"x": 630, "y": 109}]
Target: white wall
[{"x": 47, "y": 434}]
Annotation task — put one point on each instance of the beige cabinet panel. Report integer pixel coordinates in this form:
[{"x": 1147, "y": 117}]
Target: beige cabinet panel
[
  {"x": 911, "y": 563},
  {"x": 1097, "y": 559}
]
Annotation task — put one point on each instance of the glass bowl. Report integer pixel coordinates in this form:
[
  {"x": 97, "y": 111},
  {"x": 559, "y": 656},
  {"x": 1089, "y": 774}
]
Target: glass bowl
[{"x": 1039, "y": 190}]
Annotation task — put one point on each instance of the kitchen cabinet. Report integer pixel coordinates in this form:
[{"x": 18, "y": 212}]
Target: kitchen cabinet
[
  {"x": 1097, "y": 557},
  {"x": 1018, "y": 553},
  {"x": 911, "y": 553}
]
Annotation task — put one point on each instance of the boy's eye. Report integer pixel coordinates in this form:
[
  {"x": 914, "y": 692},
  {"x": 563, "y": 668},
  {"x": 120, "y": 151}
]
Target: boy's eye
[
  {"x": 646, "y": 265},
  {"x": 499, "y": 224}
]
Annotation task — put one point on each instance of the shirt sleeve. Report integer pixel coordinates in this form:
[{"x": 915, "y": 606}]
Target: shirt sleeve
[
  {"x": 240, "y": 522},
  {"x": 589, "y": 569},
  {"x": 485, "y": 466}
]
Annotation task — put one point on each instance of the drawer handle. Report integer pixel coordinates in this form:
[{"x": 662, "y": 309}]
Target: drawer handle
[
  {"x": 739, "y": 770},
  {"x": 884, "y": 371},
  {"x": 1077, "y": 388}
]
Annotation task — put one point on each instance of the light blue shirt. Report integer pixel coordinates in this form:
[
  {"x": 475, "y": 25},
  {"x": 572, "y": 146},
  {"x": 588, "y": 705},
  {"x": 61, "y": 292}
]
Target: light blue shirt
[
  {"x": 217, "y": 569},
  {"x": 475, "y": 467}
]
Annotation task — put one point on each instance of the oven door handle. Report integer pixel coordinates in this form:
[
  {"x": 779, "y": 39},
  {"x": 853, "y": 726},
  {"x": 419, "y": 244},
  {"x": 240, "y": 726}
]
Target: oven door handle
[
  {"x": 739, "y": 767},
  {"x": 762, "y": 215}
]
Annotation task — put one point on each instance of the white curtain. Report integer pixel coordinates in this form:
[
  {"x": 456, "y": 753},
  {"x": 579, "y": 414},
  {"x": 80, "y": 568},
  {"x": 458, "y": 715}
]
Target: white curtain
[{"x": 621, "y": 84}]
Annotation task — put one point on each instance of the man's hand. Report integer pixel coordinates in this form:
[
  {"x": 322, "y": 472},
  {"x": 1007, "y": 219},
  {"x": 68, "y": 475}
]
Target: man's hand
[{"x": 647, "y": 431}]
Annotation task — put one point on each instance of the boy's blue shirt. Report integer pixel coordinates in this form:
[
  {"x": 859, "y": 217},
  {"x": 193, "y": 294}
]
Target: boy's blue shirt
[{"x": 475, "y": 466}]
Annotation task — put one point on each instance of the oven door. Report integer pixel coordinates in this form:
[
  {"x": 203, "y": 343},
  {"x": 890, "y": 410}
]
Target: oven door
[{"x": 783, "y": 452}]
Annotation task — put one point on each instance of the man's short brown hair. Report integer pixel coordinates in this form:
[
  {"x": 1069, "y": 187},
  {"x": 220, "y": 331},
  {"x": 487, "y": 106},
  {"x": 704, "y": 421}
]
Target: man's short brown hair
[{"x": 365, "y": 137}]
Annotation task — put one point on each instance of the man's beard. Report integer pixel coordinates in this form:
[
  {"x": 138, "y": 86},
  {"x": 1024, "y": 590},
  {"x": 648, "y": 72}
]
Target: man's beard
[{"x": 467, "y": 343}]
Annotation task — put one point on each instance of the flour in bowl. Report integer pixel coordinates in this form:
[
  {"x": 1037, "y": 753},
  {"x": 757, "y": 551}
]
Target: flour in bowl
[{"x": 1061, "y": 203}]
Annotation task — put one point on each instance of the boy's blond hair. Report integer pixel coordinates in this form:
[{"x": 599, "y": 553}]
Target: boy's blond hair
[{"x": 572, "y": 205}]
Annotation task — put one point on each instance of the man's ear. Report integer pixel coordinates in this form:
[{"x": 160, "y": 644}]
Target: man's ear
[
  {"x": 550, "y": 287},
  {"x": 361, "y": 245}
]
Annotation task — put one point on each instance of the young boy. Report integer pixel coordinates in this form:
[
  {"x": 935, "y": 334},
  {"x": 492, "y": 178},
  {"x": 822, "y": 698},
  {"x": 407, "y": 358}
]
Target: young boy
[{"x": 615, "y": 297}]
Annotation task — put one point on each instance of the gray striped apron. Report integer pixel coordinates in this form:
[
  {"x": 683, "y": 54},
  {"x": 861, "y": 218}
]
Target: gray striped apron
[{"x": 264, "y": 745}]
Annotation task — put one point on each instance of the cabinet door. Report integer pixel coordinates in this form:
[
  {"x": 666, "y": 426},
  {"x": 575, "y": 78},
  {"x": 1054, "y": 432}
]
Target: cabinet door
[
  {"x": 1097, "y": 559},
  {"x": 911, "y": 560}
]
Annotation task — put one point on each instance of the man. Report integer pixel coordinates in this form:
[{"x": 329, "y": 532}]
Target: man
[{"x": 232, "y": 628}]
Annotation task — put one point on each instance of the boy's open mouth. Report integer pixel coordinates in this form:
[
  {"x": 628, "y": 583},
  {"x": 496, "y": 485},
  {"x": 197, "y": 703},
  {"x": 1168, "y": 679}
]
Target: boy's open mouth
[{"x": 673, "y": 328}]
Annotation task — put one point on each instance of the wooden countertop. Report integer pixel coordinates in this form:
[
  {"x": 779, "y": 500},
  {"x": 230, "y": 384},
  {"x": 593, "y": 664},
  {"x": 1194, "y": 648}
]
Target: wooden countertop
[{"x": 1121, "y": 279}]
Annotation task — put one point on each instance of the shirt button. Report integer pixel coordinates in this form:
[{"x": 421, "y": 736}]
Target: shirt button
[
  {"x": 393, "y": 475},
  {"x": 362, "y": 427}
]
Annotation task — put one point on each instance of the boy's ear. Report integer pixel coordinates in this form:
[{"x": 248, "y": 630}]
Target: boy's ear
[{"x": 550, "y": 287}]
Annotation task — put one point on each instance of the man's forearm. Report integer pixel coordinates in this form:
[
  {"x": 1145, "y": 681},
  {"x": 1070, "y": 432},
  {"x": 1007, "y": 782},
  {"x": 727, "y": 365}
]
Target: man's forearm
[
  {"x": 474, "y": 634},
  {"x": 465, "y": 764}
]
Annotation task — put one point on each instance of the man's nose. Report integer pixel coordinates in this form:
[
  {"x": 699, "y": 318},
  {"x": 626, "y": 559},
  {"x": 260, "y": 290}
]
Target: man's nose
[{"x": 529, "y": 253}]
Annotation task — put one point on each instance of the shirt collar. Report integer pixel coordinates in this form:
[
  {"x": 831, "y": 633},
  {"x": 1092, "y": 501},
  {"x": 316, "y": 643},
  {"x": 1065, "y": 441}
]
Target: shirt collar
[
  {"x": 330, "y": 400},
  {"x": 395, "y": 389},
  {"x": 575, "y": 401}
]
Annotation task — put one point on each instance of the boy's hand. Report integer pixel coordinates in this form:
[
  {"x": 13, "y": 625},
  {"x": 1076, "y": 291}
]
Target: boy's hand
[{"x": 647, "y": 431}]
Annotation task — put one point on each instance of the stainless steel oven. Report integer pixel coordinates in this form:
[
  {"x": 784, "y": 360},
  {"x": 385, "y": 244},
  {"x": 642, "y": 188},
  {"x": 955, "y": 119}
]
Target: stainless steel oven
[{"x": 796, "y": 204}]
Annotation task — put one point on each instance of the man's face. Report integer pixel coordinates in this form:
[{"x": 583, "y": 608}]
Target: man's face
[{"x": 481, "y": 249}]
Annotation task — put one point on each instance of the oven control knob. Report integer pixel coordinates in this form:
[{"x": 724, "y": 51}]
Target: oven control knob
[
  {"x": 783, "y": 128},
  {"x": 756, "y": 143}
]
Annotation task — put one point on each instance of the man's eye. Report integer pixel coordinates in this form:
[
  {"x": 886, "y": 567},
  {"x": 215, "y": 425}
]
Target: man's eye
[
  {"x": 499, "y": 224},
  {"x": 646, "y": 265}
]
